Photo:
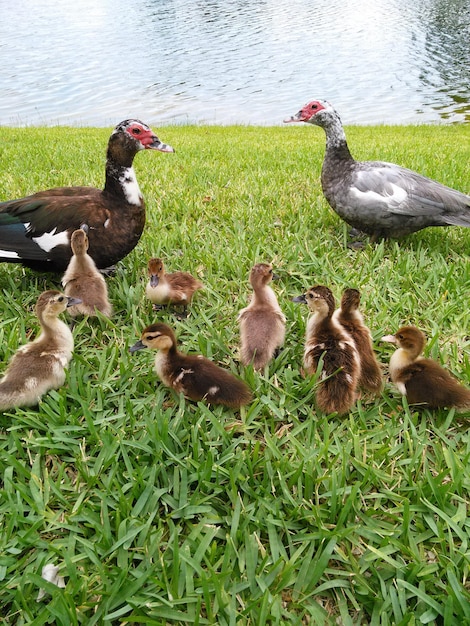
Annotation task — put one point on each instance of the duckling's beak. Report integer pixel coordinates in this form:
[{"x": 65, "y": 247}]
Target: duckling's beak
[
  {"x": 137, "y": 346},
  {"x": 301, "y": 298},
  {"x": 154, "y": 280},
  {"x": 389, "y": 338},
  {"x": 72, "y": 301}
]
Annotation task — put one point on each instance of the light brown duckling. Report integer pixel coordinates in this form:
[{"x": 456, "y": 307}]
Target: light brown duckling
[
  {"x": 174, "y": 288},
  {"x": 423, "y": 381},
  {"x": 196, "y": 377},
  {"x": 327, "y": 341},
  {"x": 262, "y": 323},
  {"x": 40, "y": 365},
  {"x": 83, "y": 280},
  {"x": 351, "y": 319}
]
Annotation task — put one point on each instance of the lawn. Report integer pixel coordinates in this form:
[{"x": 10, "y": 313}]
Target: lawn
[{"x": 161, "y": 511}]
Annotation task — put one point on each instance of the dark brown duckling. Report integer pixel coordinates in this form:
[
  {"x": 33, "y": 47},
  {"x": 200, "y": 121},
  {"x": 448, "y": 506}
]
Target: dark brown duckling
[
  {"x": 39, "y": 366},
  {"x": 327, "y": 340},
  {"x": 262, "y": 323},
  {"x": 196, "y": 377},
  {"x": 83, "y": 280},
  {"x": 421, "y": 380},
  {"x": 174, "y": 288},
  {"x": 351, "y": 319}
]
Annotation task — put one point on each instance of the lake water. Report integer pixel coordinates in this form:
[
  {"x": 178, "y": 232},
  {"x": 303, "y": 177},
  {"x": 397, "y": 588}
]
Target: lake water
[{"x": 96, "y": 62}]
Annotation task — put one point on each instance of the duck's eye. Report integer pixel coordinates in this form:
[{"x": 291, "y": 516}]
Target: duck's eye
[
  {"x": 314, "y": 107},
  {"x": 136, "y": 131}
]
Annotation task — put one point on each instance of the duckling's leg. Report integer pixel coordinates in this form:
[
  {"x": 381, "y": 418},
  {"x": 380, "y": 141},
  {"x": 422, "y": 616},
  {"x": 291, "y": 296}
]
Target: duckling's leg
[
  {"x": 182, "y": 315},
  {"x": 108, "y": 271}
]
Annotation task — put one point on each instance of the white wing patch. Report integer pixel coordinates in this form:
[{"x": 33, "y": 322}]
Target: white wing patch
[
  {"x": 50, "y": 240},
  {"x": 212, "y": 390},
  {"x": 9, "y": 254},
  {"x": 397, "y": 195}
]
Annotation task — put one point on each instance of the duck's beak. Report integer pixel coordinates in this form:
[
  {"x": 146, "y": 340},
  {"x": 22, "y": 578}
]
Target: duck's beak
[
  {"x": 72, "y": 301},
  {"x": 301, "y": 298},
  {"x": 154, "y": 143},
  {"x": 137, "y": 346},
  {"x": 294, "y": 118},
  {"x": 154, "y": 280},
  {"x": 389, "y": 338}
]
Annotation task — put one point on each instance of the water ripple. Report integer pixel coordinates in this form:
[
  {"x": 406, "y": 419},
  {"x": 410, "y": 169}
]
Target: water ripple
[{"x": 177, "y": 61}]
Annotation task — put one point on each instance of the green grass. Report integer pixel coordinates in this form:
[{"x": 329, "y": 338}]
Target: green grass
[{"x": 160, "y": 511}]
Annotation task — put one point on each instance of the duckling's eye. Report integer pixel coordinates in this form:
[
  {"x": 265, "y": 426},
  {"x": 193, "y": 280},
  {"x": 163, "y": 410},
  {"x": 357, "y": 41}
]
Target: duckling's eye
[
  {"x": 310, "y": 295},
  {"x": 60, "y": 298},
  {"x": 400, "y": 336}
]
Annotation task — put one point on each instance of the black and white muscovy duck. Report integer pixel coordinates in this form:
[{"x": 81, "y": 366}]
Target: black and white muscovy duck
[
  {"x": 378, "y": 198},
  {"x": 36, "y": 230}
]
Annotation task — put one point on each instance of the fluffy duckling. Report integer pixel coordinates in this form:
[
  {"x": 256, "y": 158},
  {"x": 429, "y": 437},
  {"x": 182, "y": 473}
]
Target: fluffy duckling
[
  {"x": 351, "y": 319},
  {"x": 83, "y": 280},
  {"x": 196, "y": 377},
  {"x": 327, "y": 341},
  {"x": 173, "y": 288},
  {"x": 423, "y": 380},
  {"x": 262, "y": 323},
  {"x": 40, "y": 365}
]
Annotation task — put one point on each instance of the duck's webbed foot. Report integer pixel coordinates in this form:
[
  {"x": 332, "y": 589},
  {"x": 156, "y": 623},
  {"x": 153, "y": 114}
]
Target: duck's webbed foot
[{"x": 357, "y": 239}]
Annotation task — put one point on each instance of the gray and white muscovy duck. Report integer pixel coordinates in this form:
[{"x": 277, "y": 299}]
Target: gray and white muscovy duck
[
  {"x": 36, "y": 230},
  {"x": 378, "y": 198}
]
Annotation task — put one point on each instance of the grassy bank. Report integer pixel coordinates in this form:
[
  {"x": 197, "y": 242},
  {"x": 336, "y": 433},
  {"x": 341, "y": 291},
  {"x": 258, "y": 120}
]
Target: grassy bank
[{"x": 161, "y": 511}]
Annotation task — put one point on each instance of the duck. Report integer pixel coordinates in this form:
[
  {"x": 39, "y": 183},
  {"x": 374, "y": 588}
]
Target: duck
[
  {"x": 352, "y": 320},
  {"x": 380, "y": 199},
  {"x": 422, "y": 380},
  {"x": 194, "y": 376},
  {"x": 330, "y": 347},
  {"x": 36, "y": 230},
  {"x": 84, "y": 281},
  {"x": 39, "y": 366},
  {"x": 175, "y": 288},
  {"x": 262, "y": 323}
]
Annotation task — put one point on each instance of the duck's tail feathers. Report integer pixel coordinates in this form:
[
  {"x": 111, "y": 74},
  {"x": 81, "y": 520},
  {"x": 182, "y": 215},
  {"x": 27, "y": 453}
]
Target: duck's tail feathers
[
  {"x": 12, "y": 396},
  {"x": 336, "y": 394}
]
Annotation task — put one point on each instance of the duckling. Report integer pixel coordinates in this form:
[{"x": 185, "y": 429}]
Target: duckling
[
  {"x": 196, "y": 377},
  {"x": 423, "y": 381},
  {"x": 40, "y": 365},
  {"x": 262, "y": 323},
  {"x": 83, "y": 280},
  {"x": 174, "y": 288},
  {"x": 351, "y": 319},
  {"x": 327, "y": 342}
]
